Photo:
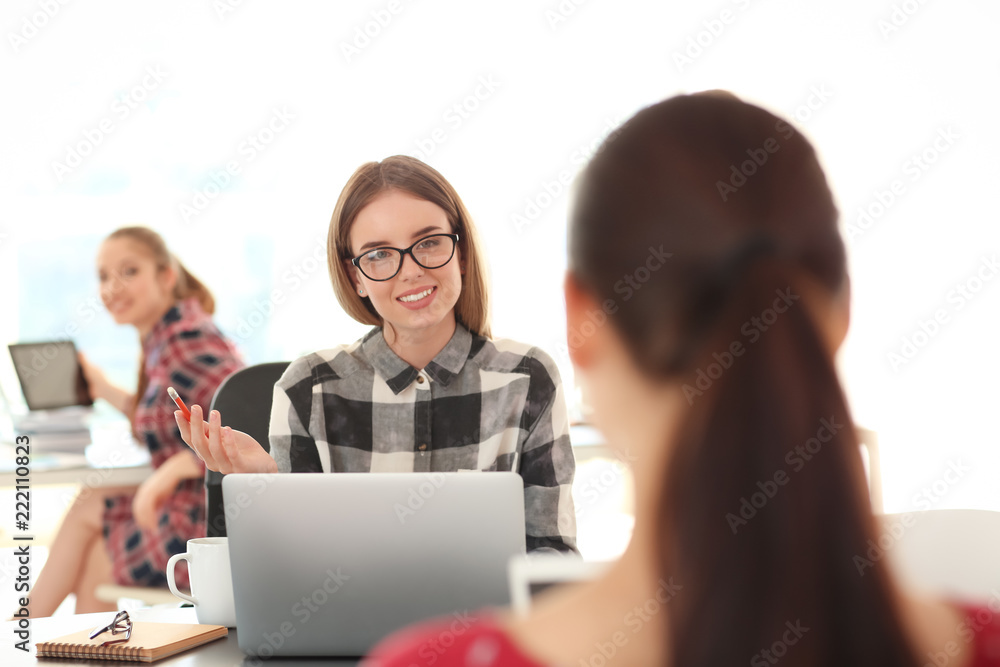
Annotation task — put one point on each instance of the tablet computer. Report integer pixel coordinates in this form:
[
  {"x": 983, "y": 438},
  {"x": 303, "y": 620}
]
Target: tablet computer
[{"x": 50, "y": 374}]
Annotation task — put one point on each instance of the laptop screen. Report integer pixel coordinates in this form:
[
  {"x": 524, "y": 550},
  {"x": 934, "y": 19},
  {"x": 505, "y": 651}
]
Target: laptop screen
[{"x": 50, "y": 374}]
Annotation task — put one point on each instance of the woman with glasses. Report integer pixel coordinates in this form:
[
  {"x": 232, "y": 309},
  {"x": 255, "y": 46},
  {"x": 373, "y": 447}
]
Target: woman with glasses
[
  {"x": 427, "y": 389},
  {"x": 719, "y": 377}
]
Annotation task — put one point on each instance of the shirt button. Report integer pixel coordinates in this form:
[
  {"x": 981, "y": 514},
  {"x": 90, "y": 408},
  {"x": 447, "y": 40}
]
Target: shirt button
[
  {"x": 422, "y": 446},
  {"x": 420, "y": 379}
]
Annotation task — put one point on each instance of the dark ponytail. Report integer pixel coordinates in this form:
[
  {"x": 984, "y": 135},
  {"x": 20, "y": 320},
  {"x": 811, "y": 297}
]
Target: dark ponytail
[
  {"x": 765, "y": 501},
  {"x": 764, "y": 507}
]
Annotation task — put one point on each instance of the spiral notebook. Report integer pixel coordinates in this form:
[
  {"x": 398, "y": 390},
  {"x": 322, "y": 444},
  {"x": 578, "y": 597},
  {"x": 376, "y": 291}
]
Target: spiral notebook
[{"x": 149, "y": 642}]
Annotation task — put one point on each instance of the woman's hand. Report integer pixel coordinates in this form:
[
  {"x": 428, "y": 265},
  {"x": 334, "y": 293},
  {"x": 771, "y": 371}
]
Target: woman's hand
[
  {"x": 223, "y": 449},
  {"x": 152, "y": 494},
  {"x": 98, "y": 386},
  {"x": 96, "y": 380}
]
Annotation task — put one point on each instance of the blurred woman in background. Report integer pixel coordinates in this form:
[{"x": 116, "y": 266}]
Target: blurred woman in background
[
  {"x": 705, "y": 232},
  {"x": 125, "y": 535}
]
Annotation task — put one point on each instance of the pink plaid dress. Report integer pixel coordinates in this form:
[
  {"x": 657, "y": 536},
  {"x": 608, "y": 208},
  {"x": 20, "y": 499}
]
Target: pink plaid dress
[{"x": 186, "y": 351}]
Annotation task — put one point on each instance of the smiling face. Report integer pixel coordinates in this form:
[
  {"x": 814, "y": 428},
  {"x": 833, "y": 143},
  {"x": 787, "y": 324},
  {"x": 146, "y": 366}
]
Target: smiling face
[
  {"x": 416, "y": 300},
  {"x": 133, "y": 288}
]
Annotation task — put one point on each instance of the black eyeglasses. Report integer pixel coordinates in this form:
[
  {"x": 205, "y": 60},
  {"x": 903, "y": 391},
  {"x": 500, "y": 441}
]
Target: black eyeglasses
[
  {"x": 121, "y": 624},
  {"x": 430, "y": 252}
]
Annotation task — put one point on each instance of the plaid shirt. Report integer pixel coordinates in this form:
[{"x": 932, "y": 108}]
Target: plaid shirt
[
  {"x": 479, "y": 405},
  {"x": 187, "y": 351}
]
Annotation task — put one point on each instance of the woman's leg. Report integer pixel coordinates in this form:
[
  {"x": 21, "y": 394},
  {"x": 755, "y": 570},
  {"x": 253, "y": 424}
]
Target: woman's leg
[
  {"x": 96, "y": 571},
  {"x": 70, "y": 552}
]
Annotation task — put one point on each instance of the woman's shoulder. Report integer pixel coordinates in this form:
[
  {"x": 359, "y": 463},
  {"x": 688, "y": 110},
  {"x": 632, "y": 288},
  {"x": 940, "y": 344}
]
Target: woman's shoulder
[
  {"x": 187, "y": 324},
  {"x": 332, "y": 363},
  {"x": 505, "y": 354},
  {"x": 461, "y": 640},
  {"x": 203, "y": 343}
]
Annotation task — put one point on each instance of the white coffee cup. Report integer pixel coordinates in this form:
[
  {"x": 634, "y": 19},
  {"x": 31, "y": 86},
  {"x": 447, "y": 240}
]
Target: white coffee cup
[{"x": 211, "y": 580}]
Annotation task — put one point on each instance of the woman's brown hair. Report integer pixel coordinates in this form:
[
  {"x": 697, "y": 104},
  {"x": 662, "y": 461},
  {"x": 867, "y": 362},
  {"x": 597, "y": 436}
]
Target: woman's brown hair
[
  {"x": 764, "y": 510},
  {"x": 410, "y": 175},
  {"x": 186, "y": 287}
]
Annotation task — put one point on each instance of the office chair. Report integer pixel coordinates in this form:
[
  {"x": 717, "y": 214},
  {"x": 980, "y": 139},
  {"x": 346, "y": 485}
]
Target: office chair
[{"x": 244, "y": 400}]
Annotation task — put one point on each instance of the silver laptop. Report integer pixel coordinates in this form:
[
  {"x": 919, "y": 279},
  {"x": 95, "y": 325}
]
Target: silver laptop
[{"x": 329, "y": 564}]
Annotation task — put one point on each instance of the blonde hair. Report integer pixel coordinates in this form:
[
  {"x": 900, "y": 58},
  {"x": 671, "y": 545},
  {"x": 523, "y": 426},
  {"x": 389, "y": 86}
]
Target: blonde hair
[
  {"x": 407, "y": 174},
  {"x": 186, "y": 287}
]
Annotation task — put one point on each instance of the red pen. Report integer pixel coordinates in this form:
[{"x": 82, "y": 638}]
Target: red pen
[
  {"x": 180, "y": 404},
  {"x": 183, "y": 408}
]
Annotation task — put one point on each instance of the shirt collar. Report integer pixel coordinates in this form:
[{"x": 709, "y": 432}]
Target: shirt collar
[{"x": 399, "y": 375}]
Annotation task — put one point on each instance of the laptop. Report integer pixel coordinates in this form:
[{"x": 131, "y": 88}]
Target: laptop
[
  {"x": 329, "y": 564},
  {"x": 50, "y": 374}
]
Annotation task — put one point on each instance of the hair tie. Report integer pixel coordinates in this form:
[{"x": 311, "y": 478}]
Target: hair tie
[
  {"x": 712, "y": 300},
  {"x": 757, "y": 246}
]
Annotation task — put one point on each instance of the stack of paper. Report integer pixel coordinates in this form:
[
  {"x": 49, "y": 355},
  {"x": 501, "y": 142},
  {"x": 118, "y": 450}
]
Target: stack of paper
[{"x": 63, "y": 430}]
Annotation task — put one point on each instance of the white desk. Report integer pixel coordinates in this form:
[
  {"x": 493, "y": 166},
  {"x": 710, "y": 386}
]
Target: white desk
[
  {"x": 588, "y": 443},
  {"x": 103, "y": 463},
  {"x": 112, "y": 458},
  {"x": 123, "y": 463},
  {"x": 225, "y": 651}
]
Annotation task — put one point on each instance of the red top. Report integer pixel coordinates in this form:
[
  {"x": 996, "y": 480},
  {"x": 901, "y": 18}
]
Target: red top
[
  {"x": 472, "y": 642},
  {"x": 459, "y": 641}
]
